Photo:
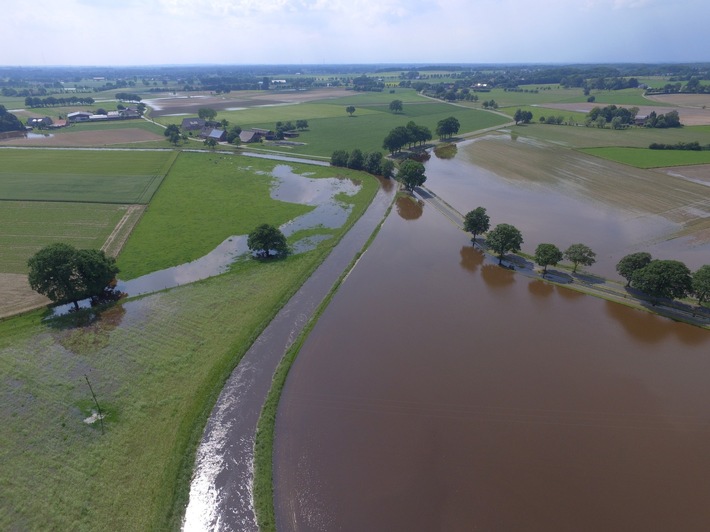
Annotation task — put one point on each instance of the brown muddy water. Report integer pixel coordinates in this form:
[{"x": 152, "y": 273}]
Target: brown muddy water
[
  {"x": 441, "y": 392},
  {"x": 548, "y": 213}
]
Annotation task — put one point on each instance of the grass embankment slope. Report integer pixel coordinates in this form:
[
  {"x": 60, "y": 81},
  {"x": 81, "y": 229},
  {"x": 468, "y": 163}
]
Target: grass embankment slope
[{"x": 156, "y": 365}]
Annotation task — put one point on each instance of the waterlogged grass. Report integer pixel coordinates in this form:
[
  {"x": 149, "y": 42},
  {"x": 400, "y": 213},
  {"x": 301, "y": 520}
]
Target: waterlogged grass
[
  {"x": 156, "y": 366},
  {"x": 647, "y": 158},
  {"x": 26, "y": 227},
  {"x": 207, "y": 198}
]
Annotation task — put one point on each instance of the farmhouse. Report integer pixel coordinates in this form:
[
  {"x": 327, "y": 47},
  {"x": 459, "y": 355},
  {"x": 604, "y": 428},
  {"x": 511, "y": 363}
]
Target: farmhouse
[
  {"x": 40, "y": 122},
  {"x": 79, "y": 116},
  {"x": 219, "y": 135},
  {"x": 192, "y": 124},
  {"x": 255, "y": 135}
]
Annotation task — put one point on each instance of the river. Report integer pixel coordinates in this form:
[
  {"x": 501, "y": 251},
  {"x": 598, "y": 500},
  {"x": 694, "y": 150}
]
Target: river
[{"x": 441, "y": 392}]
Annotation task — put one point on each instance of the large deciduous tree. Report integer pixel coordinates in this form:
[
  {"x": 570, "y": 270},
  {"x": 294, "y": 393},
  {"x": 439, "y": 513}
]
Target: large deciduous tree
[
  {"x": 669, "y": 279},
  {"x": 350, "y": 109},
  {"x": 547, "y": 255},
  {"x": 447, "y": 127},
  {"x": 476, "y": 222},
  {"x": 632, "y": 262},
  {"x": 266, "y": 239},
  {"x": 503, "y": 239},
  {"x": 207, "y": 113},
  {"x": 396, "y": 106},
  {"x": 701, "y": 283},
  {"x": 580, "y": 254},
  {"x": 67, "y": 275},
  {"x": 396, "y": 139},
  {"x": 411, "y": 174}
]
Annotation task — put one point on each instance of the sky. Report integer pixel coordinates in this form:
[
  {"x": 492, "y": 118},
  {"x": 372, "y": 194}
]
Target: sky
[{"x": 175, "y": 32}]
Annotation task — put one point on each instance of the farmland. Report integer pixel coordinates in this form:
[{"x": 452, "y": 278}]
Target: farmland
[{"x": 158, "y": 362}]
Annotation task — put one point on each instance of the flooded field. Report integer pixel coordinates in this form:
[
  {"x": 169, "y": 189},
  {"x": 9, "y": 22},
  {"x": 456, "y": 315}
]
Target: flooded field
[
  {"x": 441, "y": 392},
  {"x": 560, "y": 196}
]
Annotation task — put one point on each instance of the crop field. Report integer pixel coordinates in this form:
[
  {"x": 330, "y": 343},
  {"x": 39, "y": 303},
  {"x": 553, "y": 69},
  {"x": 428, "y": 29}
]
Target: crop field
[
  {"x": 646, "y": 158},
  {"x": 189, "y": 217},
  {"x": 26, "y": 227},
  {"x": 84, "y": 176}
]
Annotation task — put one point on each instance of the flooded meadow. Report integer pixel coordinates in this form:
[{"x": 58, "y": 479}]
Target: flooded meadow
[{"x": 441, "y": 392}]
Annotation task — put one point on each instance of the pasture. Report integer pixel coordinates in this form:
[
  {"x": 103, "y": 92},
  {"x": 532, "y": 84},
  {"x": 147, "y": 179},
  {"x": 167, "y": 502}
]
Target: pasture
[
  {"x": 156, "y": 363},
  {"x": 646, "y": 158},
  {"x": 191, "y": 215}
]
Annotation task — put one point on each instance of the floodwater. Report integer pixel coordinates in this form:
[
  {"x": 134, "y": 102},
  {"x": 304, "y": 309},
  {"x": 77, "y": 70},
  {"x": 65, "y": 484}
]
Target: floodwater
[
  {"x": 546, "y": 213},
  {"x": 441, "y": 392},
  {"x": 288, "y": 186}
]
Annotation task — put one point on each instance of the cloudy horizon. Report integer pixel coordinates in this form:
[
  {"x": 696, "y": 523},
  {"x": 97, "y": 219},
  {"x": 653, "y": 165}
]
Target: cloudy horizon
[{"x": 293, "y": 32}]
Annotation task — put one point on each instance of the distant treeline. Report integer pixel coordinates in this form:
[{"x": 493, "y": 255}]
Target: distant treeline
[
  {"x": 128, "y": 97},
  {"x": 52, "y": 101},
  {"x": 692, "y": 146}
]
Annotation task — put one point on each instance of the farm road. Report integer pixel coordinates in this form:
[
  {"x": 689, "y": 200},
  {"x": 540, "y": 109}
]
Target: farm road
[{"x": 221, "y": 496}]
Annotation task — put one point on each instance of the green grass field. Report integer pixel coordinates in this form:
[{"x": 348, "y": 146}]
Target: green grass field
[
  {"x": 207, "y": 198},
  {"x": 26, "y": 227},
  {"x": 156, "y": 364},
  {"x": 82, "y": 175},
  {"x": 646, "y": 158},
  {"x": 368, "y": 127}
]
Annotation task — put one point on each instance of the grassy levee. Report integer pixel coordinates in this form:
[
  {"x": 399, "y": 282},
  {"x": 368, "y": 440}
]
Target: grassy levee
[{"x": 157, "y": 365}]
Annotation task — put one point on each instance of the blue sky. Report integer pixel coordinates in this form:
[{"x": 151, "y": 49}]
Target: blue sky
[{"x": 149, "y": 32}]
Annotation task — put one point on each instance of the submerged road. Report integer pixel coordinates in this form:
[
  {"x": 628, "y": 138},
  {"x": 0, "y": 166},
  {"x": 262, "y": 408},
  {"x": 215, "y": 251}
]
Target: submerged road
[{"x": 221, "y": 494}]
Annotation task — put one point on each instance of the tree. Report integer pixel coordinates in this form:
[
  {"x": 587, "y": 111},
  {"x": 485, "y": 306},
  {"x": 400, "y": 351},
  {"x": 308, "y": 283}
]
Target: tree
[
  {"x": 630, "y": 263},
  {"x": 210, "y": 143},
  {"x": 339, "y": 158},
  {"x": 206, "y": 113},
  {"x": 447, "y": 127},
  {"x": 411, "y": 174},
  {"x": 356, "y": 159},
  {"x": 301, "y": 124},
  {"x": 503, "y": 239},
  {"x": 175, "y": 138},
  {"x": 388, "y": 168},
  {"x": 67, "y": 275},
  {"x": 701, "y": 283},
  {"x": 233, "y": 135},
  {"x": 172, "y": 128},
  {"x": 266, "y": 239},
  {"x": 663, "y": 279},
  {"x": 396, "y": 139},
  {"x": 476, "y": 222},
  {"x": 350, "y": 109},
  {"x": 547, "y": 255},
  {"x": 373, "y": 163},
  {"x": 580, "y": 254},
  {"x": 518, "y": 116},
  {"x": 9, "y": 122},
  {"x": 396, "y": 106}
]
